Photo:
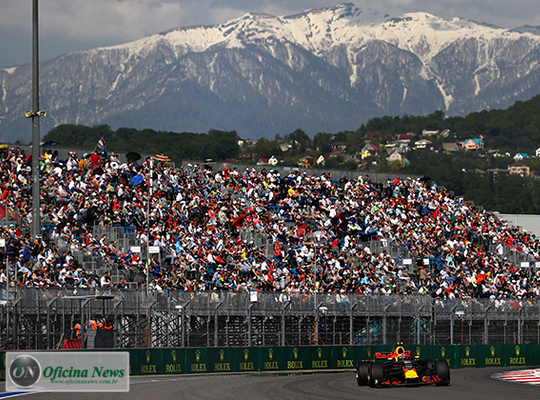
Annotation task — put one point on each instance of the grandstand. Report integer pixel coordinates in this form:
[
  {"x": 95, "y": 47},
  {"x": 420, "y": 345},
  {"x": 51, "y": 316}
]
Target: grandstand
[{"x": 224, "y": 255}]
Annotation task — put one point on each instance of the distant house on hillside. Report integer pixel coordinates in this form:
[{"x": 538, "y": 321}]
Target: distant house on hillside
[
  {"x": 322, "y": 159},
  {"x": 473, "y": 144},
  {"x": 537, "y": 153},
  {"x": 520, "y": 156},
  {"x": 308, "y": 162},
  {"x": 422, "y": 143},
  {"x": 339, "y": 146},
  {"x": 400, "y": 150},
  {"x": 274, "y": 160},
  {"x": 405, "y": 137},
  {"x": 246, "y": 142},
  {"x": 519, "y": 169},
  {"x": 434, "y": 146},
  {"x": 285, "y": 146},
  {"x": 263, "y": 161},
  {"x": 338, "y": 153},
  {"x": 452, "y": 146},
  {"x": 427, "y": 132},
  {"x": 372, "y": 135},
  {"x": 396, "y": 156},
  {"x": 369, "y": 150}
]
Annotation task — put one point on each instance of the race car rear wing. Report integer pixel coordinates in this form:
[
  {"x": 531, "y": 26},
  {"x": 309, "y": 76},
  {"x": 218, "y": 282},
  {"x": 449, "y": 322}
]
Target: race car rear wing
[{"x": 399, "y": 352}]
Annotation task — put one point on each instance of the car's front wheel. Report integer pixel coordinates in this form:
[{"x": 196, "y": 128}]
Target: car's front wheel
[
  {"x": 443, "y": 372},
  {"x": 376, "y": 374},
  {"x": 362, "y": 370}
]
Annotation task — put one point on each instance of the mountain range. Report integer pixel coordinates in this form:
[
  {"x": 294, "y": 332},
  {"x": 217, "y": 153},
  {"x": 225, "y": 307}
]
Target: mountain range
[{"x": 322, "y": 70}]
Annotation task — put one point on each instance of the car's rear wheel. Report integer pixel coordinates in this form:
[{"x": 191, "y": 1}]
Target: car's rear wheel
[
  {"x": 376, "y": 374},
  {"x": 443, "y": 372},
  {"x": 362, "y": 370}
]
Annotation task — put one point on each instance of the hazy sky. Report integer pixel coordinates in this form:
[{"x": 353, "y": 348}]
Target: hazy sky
[{"x": 70, "y": 25}]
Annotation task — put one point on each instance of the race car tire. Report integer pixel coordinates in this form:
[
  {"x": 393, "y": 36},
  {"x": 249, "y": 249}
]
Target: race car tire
[
  {"x": 362, "y": 370},
  {"x": 376, "y": 374},
  {"x": 443, "y": 372}
]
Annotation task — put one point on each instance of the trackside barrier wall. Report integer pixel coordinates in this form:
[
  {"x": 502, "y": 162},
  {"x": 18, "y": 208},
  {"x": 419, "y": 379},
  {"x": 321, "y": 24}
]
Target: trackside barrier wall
[{"x": 272, "y": 359}]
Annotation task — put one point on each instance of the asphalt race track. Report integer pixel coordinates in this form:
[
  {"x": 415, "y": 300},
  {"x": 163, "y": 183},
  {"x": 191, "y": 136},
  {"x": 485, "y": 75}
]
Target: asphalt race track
[{"x": 474, "y": 384}]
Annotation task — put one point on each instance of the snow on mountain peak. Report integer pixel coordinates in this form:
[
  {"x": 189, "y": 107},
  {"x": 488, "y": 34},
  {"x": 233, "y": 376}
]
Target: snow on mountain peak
[
  {"x": 320, "y": 29},
  {"x": 535, "y": 30}
]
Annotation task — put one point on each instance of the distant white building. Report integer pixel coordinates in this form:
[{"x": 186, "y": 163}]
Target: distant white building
[
  {"x": 285, "y": 146},
  {"x": 274, "y": 160},
  {"x": 520, "y": 156},
  {"x": 396, "y": 156},
  {"x": 422, "y": 143},
  {"x": 322, "y": 160}
]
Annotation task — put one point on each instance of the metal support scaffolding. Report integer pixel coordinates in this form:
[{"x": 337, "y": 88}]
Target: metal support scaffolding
[
  {"x": 418, "y": 325},
  {"x": 351, "y": 328},
  {"x": 216, "y": 325},
  {"x": 43, "y": 318},
  {"x": 385, "y": 323}
]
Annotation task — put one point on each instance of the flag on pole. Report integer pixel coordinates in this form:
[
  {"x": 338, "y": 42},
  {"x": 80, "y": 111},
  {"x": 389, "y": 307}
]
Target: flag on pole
[
  {"x": 101, "y": 144},
  {"x": 162, "y": 158}
]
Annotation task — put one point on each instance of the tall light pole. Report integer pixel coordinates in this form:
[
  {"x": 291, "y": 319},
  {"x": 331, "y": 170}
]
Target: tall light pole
[{"x": 35, "y": 114}]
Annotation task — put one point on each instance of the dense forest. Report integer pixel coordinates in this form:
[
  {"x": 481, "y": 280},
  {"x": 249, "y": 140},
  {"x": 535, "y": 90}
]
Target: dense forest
[{"x": 514, "y": 130}]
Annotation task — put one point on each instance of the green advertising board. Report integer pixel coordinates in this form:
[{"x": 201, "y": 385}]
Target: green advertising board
[
  {"x": 299, "y": 358},
  {"x": 246, "y": 359},
  {"x": 490, "y": 356},
  {"x": 534, "y": 355},
  {"x": 320, "y": 357},
  {"x": 517, "y": 355},
  {"x": 146, "y": 362},
  {"x": 174, "y": 361},
  {"x": 468, "y": 356},
  {"x": 344, "y": 356},
  {"x": 3, "y": 366},
  {"x": 197, "y": 360},
  {"x": 220, "y": 359},
  {"x": 272, "y": 358}
]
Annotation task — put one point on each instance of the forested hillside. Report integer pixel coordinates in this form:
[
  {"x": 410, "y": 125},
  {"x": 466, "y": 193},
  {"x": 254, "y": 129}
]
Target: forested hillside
[
  {"x": 215, "y": 144},
  {"x": 468, "y": 174}
]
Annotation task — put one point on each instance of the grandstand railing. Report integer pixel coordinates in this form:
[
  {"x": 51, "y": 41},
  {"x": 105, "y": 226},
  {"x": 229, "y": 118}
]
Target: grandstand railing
[{"x": 34, "y": 318}]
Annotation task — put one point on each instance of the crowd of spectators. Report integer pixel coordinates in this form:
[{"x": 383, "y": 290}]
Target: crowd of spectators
[{"x": 319, "y": 226}]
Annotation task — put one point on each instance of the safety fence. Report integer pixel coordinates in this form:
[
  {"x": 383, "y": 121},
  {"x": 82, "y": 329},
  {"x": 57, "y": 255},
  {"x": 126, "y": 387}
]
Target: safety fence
[
  {"x": 313, "y": 358},
  {"x": 44, "y": 318}
]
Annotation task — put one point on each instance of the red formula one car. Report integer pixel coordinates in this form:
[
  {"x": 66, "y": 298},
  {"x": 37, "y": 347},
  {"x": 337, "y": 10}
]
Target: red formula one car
[{"x": 400, "y": 368}]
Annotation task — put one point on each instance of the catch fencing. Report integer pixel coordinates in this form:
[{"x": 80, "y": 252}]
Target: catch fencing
[{"x": 44, "y": 318}]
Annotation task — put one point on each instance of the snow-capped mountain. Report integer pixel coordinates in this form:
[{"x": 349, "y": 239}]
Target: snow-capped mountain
[{"x": 323, "y": 70}]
